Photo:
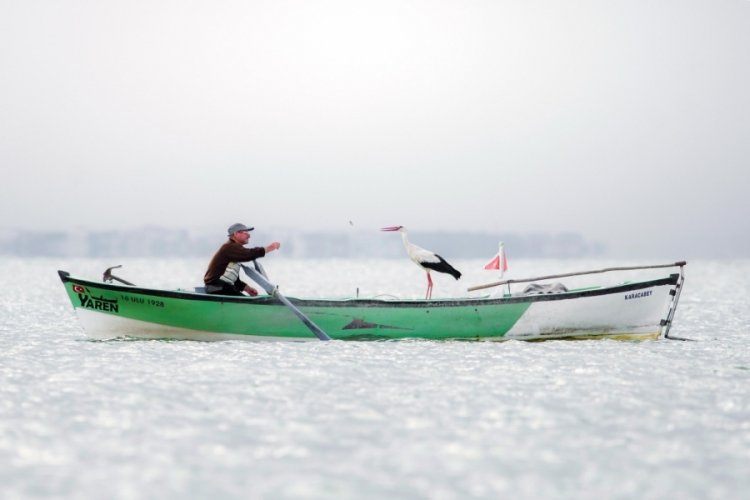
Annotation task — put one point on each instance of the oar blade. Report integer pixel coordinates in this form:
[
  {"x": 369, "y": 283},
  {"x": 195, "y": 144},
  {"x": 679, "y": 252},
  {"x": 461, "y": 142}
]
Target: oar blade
[{"x": 272, "y": 289}]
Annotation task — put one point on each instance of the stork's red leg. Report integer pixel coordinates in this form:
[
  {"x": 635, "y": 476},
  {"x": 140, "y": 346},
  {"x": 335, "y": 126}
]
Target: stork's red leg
[{"x": 429, "y": 287}]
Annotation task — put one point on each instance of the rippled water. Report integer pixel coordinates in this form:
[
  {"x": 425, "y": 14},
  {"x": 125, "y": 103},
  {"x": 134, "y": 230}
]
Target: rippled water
[{"x": 409, "y": 419}]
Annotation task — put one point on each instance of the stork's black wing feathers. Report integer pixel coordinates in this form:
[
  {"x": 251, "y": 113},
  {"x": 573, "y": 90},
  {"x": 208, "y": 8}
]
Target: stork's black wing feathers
[{"x": 441, "y": 266}]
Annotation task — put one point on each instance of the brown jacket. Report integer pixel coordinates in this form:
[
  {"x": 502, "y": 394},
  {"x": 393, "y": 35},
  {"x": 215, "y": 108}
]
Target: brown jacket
[{"x": 231, "y": 251}]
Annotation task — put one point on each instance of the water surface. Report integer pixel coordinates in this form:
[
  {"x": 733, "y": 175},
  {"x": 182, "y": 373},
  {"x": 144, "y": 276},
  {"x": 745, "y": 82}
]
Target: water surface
[{"x": 409, "y": 419}]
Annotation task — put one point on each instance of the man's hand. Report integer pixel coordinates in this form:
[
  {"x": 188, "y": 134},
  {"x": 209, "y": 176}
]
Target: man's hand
[{"x": 251, "y": 291}]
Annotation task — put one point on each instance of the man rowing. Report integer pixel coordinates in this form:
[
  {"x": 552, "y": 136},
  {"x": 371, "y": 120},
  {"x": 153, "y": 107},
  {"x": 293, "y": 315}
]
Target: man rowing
[{"x": 223, "y": 274}]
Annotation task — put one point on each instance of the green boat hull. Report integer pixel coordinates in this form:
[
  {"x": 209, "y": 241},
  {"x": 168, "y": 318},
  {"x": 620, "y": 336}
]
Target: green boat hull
[{"x": 110, "y": 310}]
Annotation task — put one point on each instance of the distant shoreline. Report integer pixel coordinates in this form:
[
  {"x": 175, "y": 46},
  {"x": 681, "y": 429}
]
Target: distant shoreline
[{"x": 153, "y": 241}]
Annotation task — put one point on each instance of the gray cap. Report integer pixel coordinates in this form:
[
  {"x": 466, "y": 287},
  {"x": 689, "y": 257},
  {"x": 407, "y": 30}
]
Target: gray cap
[{"x": 238, "y": 227}]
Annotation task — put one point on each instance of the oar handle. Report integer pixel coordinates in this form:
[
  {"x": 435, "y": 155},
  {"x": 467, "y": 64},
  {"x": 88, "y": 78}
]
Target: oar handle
[
  {"x": 273, "y": 290},
  {"x": 259, "y": 268}
]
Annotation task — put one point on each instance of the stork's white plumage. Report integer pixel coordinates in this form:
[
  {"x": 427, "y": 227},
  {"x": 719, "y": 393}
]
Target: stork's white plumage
[{"x": 429, "y": 261}]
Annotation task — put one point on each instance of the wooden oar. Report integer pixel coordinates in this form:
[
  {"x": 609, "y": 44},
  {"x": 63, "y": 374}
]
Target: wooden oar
[
  {"x": 609, "y": 269},
  {"x": 260, "y": 277}
]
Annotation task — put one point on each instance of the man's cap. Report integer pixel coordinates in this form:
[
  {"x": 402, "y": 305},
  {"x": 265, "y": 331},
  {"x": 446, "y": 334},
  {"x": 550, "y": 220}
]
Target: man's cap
[{"x": 238, "y": 227}]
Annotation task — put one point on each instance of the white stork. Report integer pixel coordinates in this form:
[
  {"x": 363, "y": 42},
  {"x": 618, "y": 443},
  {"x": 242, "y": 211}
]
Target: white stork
[{"x": 429, "y": 261}]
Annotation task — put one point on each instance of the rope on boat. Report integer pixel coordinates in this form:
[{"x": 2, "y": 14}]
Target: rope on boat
[{"x": 579, "y": 273}]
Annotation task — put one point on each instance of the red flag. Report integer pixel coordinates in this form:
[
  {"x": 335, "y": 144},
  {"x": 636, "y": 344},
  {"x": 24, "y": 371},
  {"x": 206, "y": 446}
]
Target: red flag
[
  {"x": 494, "y": 263},
  {"x": 500, "y": 262}
]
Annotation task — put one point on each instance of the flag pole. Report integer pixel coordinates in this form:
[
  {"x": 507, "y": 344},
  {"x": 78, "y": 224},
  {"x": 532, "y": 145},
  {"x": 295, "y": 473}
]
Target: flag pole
[{"x": 501, "y": 254}]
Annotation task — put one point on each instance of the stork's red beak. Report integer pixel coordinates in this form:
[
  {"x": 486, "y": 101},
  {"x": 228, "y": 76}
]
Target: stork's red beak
[{"x": 391, "y": 228}]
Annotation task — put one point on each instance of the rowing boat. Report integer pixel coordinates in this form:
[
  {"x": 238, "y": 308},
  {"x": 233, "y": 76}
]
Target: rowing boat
[{"x": 629, "y": 310}]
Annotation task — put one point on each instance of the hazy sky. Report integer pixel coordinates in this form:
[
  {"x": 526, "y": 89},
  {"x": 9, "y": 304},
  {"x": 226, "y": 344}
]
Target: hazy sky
[{"x": 627, "y": 121}]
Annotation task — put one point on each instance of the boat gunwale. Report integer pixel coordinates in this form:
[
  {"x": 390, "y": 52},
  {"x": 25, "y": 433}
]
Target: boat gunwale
[{"x": 672, "y": 279}]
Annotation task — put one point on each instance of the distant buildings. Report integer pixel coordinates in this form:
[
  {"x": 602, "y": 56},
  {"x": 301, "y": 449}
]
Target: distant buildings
[{"x": 154, "y": 241}]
